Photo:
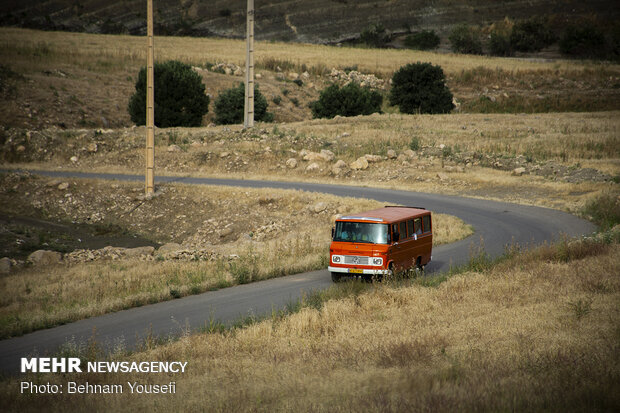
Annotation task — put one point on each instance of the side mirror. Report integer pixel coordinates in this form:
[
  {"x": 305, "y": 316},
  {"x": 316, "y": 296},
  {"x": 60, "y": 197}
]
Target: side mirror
[{"x": 333, "y": 232}]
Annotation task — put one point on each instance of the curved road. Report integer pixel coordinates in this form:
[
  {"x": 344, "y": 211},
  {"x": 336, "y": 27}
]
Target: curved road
[{"x": 496, "y": 223}]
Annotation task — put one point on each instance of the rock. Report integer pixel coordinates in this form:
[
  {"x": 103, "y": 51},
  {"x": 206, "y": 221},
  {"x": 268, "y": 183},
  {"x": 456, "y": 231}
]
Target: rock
[
  {"x": 293, "y": 75},
  {"x": 340, "y": 164},
  {"x": 226, "y": 232},
  {"x": 258, "y": 76},
  {"x": 44, "y": 257},
  {"x": 20, "y": 149},
  {"x": 442, "y": 176},
  {"x": 345, "y": 134},
  {"x": 73, "y": 159},
  {"x": 319, "y": 207},
  {"x": 459, "y": 169},
  {"x": 360, "y": 163},
  {"x": 313, "y": 167},
  {"x": 402, "y": 158},
  {"x": 169, "y": 247},
  {"x": 313, "y": 156},
  {"x": 391, "y": 154},
  {"x": 327, "y": 155},
  {"x": 5, "y": 265},
  {"x": 441, "y": 146},
  {"x": 409, "y": 153},
  {"x": 238, "y": 72},
  {"x": 62, "y": 186},
  {"x": 224, "y": 154},
  {"x": 518, "y": 171},
  {"x": 373, "y": 158},
  {"x": 174, "y": 148},
  {"x": 291, "y": 163},
  {"x": 138, "y": 251},
  {"x": 196, "y": 144},
  {"x": 92, "y": 147}
]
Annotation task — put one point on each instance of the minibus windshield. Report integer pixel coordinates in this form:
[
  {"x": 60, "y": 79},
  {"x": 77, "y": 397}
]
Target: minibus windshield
[{"x": 361, "y": 232}]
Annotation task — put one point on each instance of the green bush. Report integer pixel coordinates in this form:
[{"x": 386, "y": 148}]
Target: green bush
[
  {"x": 229, "y": 106},
  {"x": 465, "y": 39},
  {"x": 180, "y": 98},
  {"x": 531, "y": 35},
  {"x": 374, "y": 35},
  {"x": 422, "y": 40},
  {"x": 604, "y": 210},
  {"x": 499, "y": 38},
  {"x": 420, "y": 88},
  {"x": 582, "y": 40},
  {"x": 350, "y": 100}
]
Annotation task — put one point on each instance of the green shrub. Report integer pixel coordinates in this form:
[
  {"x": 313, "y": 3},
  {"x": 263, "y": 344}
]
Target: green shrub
[
  {"x": 582, "y": 40},
  {"x": 531, "y": 35},
  {"x": 422, "y": 40},
  {"x": 298, "y": 82},
  {"x": 180, "y": 98},
  {"x": 420, "y": 88},
  {"x": 374, "y": 35},
  {"x": 229, "y": 106},
  {"x": 350, "y": 100},
  {"x": 414, "y": 144},
  {"x": 499, "y": 38},
  {"x": 604, "y": 211},
  {"x": 465, "y": 39}
]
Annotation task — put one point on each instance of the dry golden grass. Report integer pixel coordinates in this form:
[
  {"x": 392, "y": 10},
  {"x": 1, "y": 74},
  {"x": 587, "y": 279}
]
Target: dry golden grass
[
  {"x": 86, "y": 49},
  {"x": 536, "y": 332}
]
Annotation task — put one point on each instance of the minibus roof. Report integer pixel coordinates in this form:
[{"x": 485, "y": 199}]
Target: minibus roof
[{"x": 386, "y": 215}]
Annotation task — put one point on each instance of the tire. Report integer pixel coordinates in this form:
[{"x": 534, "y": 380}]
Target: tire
[{"x": 336, "y": 277}]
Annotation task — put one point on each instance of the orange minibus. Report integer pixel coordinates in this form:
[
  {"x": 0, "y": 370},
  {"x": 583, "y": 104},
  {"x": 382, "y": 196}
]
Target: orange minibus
[{"x": 381, "y": 241}]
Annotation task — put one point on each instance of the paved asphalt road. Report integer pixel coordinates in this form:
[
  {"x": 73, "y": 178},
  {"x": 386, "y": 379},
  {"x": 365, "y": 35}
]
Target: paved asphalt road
[{"x": 496, "y": 223}]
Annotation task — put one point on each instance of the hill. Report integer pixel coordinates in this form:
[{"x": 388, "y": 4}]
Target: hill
[{"x": 320, "y": 21}]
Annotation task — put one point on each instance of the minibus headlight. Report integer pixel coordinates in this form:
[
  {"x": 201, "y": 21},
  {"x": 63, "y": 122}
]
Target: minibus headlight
[
  {"x": 377, "y": 261},
  {"x": 336, "y": 259}
]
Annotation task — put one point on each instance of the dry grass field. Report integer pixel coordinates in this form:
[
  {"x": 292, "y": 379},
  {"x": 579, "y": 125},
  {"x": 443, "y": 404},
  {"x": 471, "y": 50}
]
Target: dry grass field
[
  {"x": 537, "y": 331},
  {"x": 59, "y": 79}
]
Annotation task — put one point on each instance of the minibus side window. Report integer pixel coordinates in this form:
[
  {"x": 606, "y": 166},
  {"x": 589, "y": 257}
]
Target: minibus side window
[
  {"x": 427, "y": 223},
  {"x": 418, "y": 226},
  {"x": 410, "y": 227},
  {"x": 403, "y": 230},
  {"x": 394, "y": 232}
]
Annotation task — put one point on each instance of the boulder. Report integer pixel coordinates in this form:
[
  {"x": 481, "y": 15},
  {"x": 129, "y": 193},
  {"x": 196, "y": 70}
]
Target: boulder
[
  {"x": 360, "y": 164},
  {"x": 518, "y": 171},
  {"x": 73, "y": 159},
  {"x": 44, "y": 257},
  {"x": 442, "y": 176},
  {"x": 312, "y": 167},
  {"x": 319, "y": 207},
  {"x": 312, "y": 157},
  {"x": 373, "y": 158},
  {"x": 138, "y": 251},
  {"x": 62, "y": 186},
  {"x": 169, "y": 247},
  {"x": 291, "y": 163},
  {"x": 226, "y": 232},
  {"x": 409, "y": 153},
  {"x": 391, "y": 154},
  {"x": 327, "y": 155},
  {"x": 92, "y": 147},
  {"x": 174, "y": 148}
]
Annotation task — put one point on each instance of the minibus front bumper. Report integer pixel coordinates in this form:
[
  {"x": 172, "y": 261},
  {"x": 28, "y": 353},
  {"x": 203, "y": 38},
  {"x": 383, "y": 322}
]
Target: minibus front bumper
[{"x": 356, "y": 271}]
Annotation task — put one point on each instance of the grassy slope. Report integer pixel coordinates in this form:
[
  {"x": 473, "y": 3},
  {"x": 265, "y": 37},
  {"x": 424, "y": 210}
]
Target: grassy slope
[{"x": 538, "y": 331}]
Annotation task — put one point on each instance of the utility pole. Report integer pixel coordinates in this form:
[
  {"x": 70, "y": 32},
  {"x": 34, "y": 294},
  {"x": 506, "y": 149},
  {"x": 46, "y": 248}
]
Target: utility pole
[
  {"x": 248, "y": 118},
  {"x": 150, "y": 103}
]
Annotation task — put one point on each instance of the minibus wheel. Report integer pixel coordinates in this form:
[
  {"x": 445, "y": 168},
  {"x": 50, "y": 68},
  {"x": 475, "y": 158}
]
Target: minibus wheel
[{"x": 336, "y": 277}]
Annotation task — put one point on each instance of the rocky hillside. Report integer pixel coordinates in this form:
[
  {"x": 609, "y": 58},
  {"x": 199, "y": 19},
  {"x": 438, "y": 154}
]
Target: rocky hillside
[{"x": 317, "y": 21}]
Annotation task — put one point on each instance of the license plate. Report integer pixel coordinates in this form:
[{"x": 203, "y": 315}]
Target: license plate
[{"x": 356, "y": 271}]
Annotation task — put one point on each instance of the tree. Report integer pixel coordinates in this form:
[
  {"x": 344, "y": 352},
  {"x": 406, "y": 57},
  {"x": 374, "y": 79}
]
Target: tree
[
  {"x": 531, "y": 35},
  {"x": 420, "y": 88},
  {"x": 422, "y": 40},
  {"x": 229, "y": 106},
  {"x": 374, "y": 35},
  {"x": 465, "y": 39},
  {"x": 179, "y": 96},
  {"x": 582, "y": 40},
  {"x": 350, "y": 100}
]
